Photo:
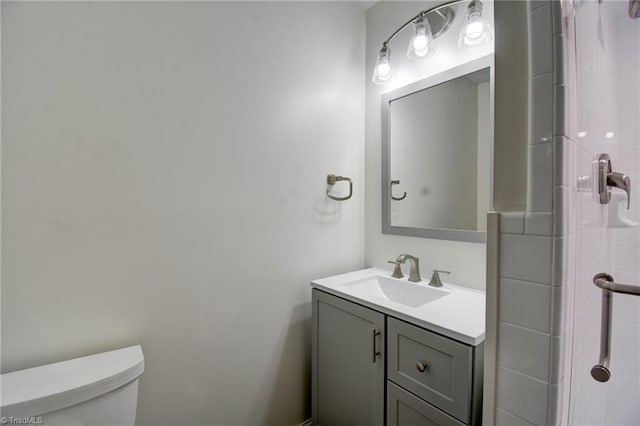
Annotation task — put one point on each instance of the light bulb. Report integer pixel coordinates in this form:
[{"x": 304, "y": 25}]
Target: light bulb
[
  {"x": 421, "y": 53},
  {"x": 421, "y": 44},
  {"x": 473, "y": 30},
  {"x": 383, "y": 71},
  {"x": 476, "y": 31}
]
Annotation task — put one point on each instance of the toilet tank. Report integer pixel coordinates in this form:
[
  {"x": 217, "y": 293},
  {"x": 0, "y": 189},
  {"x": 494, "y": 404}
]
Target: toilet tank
[{"x": 100, "y": 389}]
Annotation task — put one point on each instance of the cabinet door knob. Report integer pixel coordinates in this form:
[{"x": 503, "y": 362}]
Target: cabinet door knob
[{"x": 421, "y": 366}]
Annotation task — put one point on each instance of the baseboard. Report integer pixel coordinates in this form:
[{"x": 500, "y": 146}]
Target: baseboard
[{"x": 305, "y": 423}]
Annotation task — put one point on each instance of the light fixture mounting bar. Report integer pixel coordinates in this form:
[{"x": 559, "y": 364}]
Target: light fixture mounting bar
[{"x": 424, "y": 13}]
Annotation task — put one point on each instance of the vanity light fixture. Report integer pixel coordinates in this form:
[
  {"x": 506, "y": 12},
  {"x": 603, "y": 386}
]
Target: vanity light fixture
[
  {"x": 383, "y": 72},
  {"x": 476, "y": 30},
  {"x": 429, "y": 25}
]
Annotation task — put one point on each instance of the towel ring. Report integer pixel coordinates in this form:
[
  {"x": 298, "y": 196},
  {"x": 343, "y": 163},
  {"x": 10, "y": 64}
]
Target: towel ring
[
  {"x": 331, "y": 180},
  {"x": 396, "y": 182}
]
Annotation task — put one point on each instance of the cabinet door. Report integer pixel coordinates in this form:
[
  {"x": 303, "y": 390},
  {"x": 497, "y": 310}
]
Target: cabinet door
[
  {"x": 406, "y": 409},
  {"x": 348, "y": 363}
]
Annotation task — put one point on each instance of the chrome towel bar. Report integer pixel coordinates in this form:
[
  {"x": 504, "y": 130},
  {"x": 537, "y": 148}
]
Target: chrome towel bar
[
  {"x": 605, "y": 282},
  {"x": 600, "y": 371}
]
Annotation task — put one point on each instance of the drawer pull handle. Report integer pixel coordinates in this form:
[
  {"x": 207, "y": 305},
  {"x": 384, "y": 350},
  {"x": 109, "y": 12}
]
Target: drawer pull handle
[
  {"x": 375, "y": 353},
  {"x": 421, "y": 366}
]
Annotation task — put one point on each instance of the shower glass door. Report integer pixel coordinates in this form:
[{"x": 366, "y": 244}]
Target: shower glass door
[{"x": 607, "y": 72}]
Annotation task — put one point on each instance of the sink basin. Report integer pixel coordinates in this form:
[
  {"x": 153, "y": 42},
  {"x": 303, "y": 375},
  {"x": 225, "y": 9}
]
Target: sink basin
[
  {"x": 453, "y": 311},
  {"x": 403, "y": 292}
]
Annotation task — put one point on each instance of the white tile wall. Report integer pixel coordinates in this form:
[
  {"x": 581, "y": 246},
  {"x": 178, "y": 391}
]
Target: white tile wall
[
  {"x": 526, "y": 257},
  {"x": 540, "y": 175},
  {"x": 564, "y": 268},
  {"x": 512, "y": 222},
  {"x": 561, "y": 105},
  {"x": 527, "y": 351},
  {"x": 539, "y": 223},
  {"x": 558, "y": 300},
  {"x": 553, "y": 403},
  {"x": 556, "y": 369},
  {"x": 564, "y": 173},
  {"x": 540, "y": 39},
  {"x": 525, "y": 304},
  {"x": 549, "y": 314},
  {"x": 564, "y": 218},
  {"x": 532, "y": 282},
  {"x": 522, "y": 396},
  {"x": 540, "y": 97},
  {"x": 506, "y": 419},
  {"x": 559, "y": 58}
]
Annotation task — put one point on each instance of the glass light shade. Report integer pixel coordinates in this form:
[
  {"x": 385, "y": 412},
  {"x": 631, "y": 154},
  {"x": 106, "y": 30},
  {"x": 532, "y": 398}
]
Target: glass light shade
[
  {"x": 421, "y": 43},
  {"x": 383, "y": 72},
  {"x": 476, "y": 31}
]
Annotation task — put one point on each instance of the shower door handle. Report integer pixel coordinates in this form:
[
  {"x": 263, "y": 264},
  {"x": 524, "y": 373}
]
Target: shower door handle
[
  {"x": 608, "y": 179},
  {"x": 600, "y": 371}
]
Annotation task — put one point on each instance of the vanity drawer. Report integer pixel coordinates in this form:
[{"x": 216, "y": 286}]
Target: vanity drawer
[
  {"x": 446, "y": 381},
  {"x": 406, "y": 409}
]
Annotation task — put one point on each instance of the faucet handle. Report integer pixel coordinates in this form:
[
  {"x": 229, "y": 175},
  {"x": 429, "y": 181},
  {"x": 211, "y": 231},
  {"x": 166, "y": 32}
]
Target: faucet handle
[
  {"x": 397, "y": 271},
  {"x": 435, "y": 278}
]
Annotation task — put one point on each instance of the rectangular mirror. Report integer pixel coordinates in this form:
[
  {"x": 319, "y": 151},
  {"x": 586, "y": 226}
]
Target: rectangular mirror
[{"x": 437, "y": 152}]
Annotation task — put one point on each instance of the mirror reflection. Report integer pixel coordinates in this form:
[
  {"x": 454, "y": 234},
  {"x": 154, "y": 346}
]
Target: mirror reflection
[{"x": 439, "y": 147}]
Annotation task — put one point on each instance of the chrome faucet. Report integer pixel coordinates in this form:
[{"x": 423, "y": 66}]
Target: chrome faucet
[
  {"x": 435, "y": 278},
  {"x": 414, "y": 274}
]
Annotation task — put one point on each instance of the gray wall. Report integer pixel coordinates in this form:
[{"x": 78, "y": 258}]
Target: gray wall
[
  {"x": 465, "y": 260},
  {"x": 163, "y": 178}
]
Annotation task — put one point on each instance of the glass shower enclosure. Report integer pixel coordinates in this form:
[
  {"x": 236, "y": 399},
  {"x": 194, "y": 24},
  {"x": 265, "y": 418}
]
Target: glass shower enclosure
[{"x": 605, "y": 66}]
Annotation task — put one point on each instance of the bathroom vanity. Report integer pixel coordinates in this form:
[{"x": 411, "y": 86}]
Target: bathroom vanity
[{"x": 388, "y": 351}]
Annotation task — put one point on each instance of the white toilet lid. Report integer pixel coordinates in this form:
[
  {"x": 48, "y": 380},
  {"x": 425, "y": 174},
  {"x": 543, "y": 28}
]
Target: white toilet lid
[{"x": 51, "y": 387}]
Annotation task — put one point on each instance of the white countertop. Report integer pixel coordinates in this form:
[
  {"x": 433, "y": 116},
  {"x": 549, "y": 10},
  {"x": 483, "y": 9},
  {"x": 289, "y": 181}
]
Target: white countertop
[{"x": 459, "y": 315}]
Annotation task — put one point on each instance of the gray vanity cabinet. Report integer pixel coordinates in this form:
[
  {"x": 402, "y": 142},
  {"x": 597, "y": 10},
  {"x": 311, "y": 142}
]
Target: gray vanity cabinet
[
  {"x": 348, "y": 363},
  {"x": 406, "y": 409},
  {"x": 372, "y": 369},
  {"x": 444, "y": 373}
]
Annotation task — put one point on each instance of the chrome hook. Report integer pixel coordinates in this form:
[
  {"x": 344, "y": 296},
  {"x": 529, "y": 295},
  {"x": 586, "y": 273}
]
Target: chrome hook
[
  {"x": 397, "y": 182},
  {"x": 331, "y": 180}
]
